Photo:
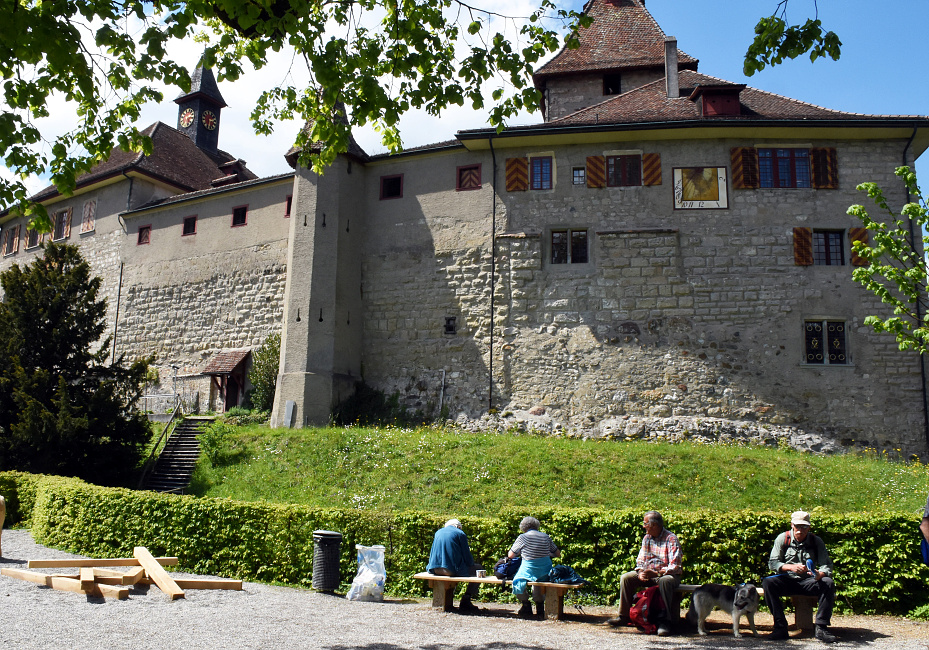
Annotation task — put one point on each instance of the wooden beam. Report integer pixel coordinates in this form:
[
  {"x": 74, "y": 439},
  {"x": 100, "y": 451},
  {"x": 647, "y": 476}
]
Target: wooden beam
[
  {"x": 209, "y": 583},
  {"x": 157, "y": 573},
  {"x": 28, "y": 576},
  {"x": 101, "y": 591},
  {"x": 96, "y": 562},
  {"x": 87, "y": 578},
  {"x": 132, "y": 577}
]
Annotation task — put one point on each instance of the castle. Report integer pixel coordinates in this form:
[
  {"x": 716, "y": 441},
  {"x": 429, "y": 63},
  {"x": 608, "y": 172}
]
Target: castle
[{"x": 664, "y": 244}]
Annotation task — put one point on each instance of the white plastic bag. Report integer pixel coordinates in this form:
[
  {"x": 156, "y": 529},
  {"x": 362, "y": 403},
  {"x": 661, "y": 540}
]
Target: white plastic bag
[{"x": 368, "y": 585}]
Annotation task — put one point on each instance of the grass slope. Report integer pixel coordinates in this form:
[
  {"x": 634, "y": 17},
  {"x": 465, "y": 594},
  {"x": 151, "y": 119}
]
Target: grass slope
[{"x": 449, "y": 472}]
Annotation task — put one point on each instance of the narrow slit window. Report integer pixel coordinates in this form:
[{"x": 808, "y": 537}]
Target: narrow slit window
[
  {"x": 145, "y": 235},
  {"x": 239, "y": 216},
  {"x": 190, "y": 226}
]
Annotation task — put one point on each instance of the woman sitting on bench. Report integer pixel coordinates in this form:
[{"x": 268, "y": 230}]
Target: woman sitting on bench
[{"x": 537, "y": 550}]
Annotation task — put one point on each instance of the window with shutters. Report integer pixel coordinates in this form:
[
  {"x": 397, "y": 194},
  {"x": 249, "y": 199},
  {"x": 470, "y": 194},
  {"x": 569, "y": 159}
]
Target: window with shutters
[
  {"x": 392, "y": 187},
  {"x": 61, "y": 226},
  {"x": 624, "y": 171},
  {"x": 145, "y": 235},
  {"x": 540, "y": 173},
  {"x": 468, "y": 178},
  {"x": 239, "y": 216},
  {"x": 10, "y": 240},
  {"x": 190, "y": 226},
  {"x": 825, "y": 342},
  {"x": 784, "y": 167},
  {"x": 33, "y": 238},
  {"x": 827, "y": 248},
  {"x": 579, "y": 176},
  {"x": 89, "y": 216},
  {"x": 569, "y": 246}
]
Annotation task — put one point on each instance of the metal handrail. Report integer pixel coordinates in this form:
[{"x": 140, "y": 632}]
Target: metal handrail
[{"x": 153, "y": 456}]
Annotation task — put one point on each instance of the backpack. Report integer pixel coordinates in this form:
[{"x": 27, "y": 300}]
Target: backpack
[
  {"x": 647, "y": 609},
  {"x": 506, "y": 568}
]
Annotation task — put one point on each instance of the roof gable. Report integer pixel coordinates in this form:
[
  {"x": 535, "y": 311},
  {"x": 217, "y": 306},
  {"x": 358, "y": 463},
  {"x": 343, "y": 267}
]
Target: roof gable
[{"x": 623, "y": 35}]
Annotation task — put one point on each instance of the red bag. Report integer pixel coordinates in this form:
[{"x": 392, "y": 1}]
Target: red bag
[{"x": 647, "y": 609}]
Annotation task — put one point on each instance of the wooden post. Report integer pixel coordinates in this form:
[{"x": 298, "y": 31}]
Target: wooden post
[{"x": 803, "y": 611}]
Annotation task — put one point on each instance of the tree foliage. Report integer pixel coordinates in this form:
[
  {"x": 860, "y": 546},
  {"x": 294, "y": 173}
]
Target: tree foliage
[
  {"x": 776, "y": 40},
  {"x": 897, "y": 272},
  {"x": 263, "y": 375},
  {"x": 63, "y": 408},
  {"x": 380, "y": 57}
]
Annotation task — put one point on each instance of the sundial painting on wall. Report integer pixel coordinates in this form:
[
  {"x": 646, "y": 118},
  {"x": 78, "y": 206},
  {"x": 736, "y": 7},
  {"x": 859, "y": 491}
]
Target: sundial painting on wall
[
  {"x": 187, "y": 117},
  {"x": 700, "y": 188},
  {"x": 209, "y": 120}
]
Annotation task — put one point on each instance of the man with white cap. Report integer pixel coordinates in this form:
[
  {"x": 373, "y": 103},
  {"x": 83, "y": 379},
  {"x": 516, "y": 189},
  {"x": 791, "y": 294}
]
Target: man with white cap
[
  {"x": 451, "y": 556},
  {"x": 802, "y": 567}
]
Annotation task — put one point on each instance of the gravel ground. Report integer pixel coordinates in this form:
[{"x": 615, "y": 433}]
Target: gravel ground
[{"x": 264, "y": 616}]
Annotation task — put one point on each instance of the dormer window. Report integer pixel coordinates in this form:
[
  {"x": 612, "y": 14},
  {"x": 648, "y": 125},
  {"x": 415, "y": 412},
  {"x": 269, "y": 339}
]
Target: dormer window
[
  {"x": 612, "y": 84},
  {"x": 715, "y": 101}
]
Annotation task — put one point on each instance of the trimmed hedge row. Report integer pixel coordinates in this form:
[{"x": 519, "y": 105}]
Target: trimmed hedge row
[{"x": 878, "y": 568}]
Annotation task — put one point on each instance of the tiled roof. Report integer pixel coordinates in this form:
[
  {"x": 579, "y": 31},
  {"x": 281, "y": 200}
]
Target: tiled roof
[
  {"x": 650, "y": 103},
  {"x": 189, "y": 196},
  {"x": 224, "y": 363},
  {"x": 353, "y": 148},
  {"x": 623, "y": 35},
  {"x": 203, "y": 83},
  {"x": 175, "y": 160}
]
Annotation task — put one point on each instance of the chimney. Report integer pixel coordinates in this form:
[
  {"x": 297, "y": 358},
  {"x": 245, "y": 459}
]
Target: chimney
[{"x": 670, "y": 67}]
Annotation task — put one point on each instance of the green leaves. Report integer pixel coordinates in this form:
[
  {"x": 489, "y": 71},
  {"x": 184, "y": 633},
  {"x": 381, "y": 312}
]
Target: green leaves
[
  {"x": 896, "y": 271},
  {"x": 775, "y": 41}
]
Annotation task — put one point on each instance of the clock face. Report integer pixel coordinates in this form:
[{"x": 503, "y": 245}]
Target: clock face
[
  {"x": 209, "y": 120},
  {"x": 187, "y": 117}
]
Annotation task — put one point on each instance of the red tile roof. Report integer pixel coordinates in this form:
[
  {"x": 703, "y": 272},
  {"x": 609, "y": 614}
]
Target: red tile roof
[
  {"x": 623, "y": 35},
  {"x": 224, "y": 363},
  {"x": 175, "y": 160}
]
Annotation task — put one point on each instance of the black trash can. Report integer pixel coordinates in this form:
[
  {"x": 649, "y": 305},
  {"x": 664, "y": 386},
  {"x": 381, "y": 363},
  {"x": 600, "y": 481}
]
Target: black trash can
[{"x": 326, "y": 545}]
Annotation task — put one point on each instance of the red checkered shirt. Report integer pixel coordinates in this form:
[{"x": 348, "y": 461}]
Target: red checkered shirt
[{"x": 663, "y": 551}]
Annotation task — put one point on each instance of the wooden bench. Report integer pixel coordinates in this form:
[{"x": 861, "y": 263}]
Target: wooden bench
[
  {"x": 443, "y": 591},
  {"x": 803, "y": 605}
]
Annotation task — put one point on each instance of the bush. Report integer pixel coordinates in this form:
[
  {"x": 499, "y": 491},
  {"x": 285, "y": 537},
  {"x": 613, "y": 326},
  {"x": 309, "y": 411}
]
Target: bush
[
  {"x": 214, "y": 438},
  {"x": 263, "y": 375},
  {"x": 878, "y": 568}
]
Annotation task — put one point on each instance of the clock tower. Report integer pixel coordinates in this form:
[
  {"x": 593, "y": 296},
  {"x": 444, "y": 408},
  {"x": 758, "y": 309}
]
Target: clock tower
[{"x": 198, "y": 111}]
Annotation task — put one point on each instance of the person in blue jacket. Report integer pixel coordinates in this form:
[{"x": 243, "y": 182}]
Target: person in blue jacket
[{"x": 451, "y": 556}]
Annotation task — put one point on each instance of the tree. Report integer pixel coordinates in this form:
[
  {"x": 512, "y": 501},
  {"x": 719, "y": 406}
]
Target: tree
[
  {"x": 380, "y": 57},
  {"x": 897, "y": 271},
  {"x": 775, "y": 40},
  {"x": 63, "y": 409},
  {"x": 263, "y": 375}
]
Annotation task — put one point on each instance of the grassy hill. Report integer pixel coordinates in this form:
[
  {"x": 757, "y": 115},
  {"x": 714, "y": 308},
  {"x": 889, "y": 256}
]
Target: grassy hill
[{"x": 463, "y": 473}]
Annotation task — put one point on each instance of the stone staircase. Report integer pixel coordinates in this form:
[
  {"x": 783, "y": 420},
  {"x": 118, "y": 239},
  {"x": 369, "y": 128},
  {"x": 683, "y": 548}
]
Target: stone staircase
[{"x": 175, "y": 464}]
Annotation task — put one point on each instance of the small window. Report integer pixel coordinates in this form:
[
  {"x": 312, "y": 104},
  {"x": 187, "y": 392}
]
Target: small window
[
  {"x": 579, "y": 176},
  {"x": 624, "y": 171},
  {"x": 145, "y": 235},
  {"x": 826, "y": 343},
  {"x": 569, "y": 247},
  {"x": 451, "y": 325},
  {"x": 287, "y": 206},
  {"x": 469, "y": 178},
  {"x": 611, "y": 84},
  {"x": 190, "y": 226},
  {"x": 9, "y": 240},
  {"x": 784, "y": 167},
  {"x": 89, "y": 216},
  {"x": 32, "y": 238},
  {"x": 239, "y": 216},
  {"x": 541, "y": 173},
  {"x": 62, "y": 225},
  {"x": 392, "y": 187},
  {"x": 828, "y": 248}
]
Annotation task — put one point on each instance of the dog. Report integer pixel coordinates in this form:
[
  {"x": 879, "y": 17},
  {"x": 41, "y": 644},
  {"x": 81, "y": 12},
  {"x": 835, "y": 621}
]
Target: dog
[{"x": 738, "y": 600}]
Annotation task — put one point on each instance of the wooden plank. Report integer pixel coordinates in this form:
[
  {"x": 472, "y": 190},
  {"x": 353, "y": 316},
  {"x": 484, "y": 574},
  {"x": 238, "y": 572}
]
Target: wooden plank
[
  {"x": 157, "y": 573},
  {"x": 209, "y": 583},
  {"x": 96, "y": 562},
  {"x": 132, "y": 577},
  {"x": 490, "y": 580},
  {"x": 87, "y": 578},
  {"x": 98, "y": 590},
  {"x": 28, "y": 576}
]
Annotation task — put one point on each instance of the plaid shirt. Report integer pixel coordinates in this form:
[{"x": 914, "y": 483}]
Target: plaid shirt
[{"x": 663, "y": 551}]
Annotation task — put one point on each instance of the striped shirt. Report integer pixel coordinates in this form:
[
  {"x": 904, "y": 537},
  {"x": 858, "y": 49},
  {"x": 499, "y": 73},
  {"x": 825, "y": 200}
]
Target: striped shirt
[
  {"x": 661, "y": 551},
  {"x": 534, "y": 544}
]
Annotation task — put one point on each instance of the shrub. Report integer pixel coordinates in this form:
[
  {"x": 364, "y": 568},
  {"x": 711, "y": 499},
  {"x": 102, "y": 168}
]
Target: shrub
[
  {"x": 213, "y": 439},
  {"x": 263, "y": 375}
]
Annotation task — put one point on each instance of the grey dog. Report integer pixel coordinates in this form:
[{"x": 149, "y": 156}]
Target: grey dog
[{"x": 738, "y": 600}]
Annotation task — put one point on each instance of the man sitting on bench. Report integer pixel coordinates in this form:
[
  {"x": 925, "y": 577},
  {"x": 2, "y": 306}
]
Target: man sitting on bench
[{"x": 451, "y": 556}]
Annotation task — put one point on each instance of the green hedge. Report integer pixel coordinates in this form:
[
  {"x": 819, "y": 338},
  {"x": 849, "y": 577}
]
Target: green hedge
[{"x": 878, "y": 568}]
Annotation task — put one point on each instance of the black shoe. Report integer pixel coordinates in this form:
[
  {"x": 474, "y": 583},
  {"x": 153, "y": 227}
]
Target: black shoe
[
  {"x": 664, "y": 629},
  {"x": 525, "y": 611},
  {"x": 467, "y": 607},
  {"x": 619, "y": 621},
  {"x": 825, "y": 635},
  {"x": 540, "y": 611},
  {"x": 778, "y": 634}
]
